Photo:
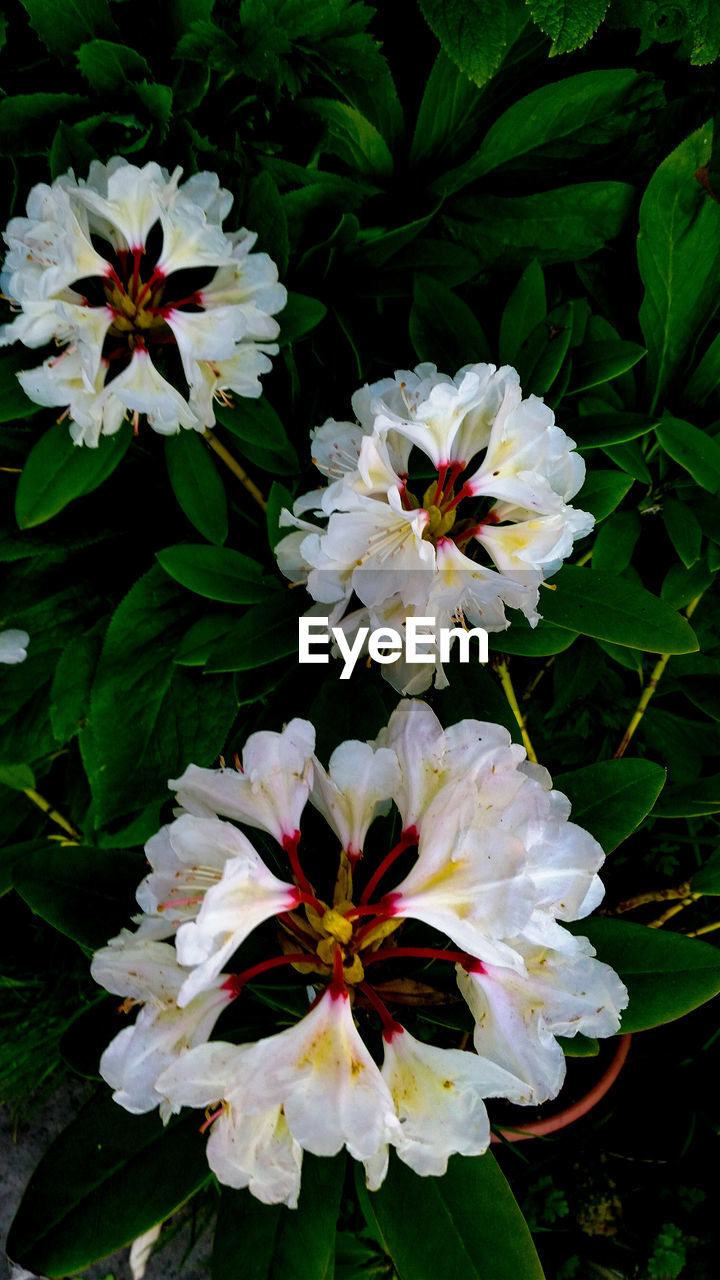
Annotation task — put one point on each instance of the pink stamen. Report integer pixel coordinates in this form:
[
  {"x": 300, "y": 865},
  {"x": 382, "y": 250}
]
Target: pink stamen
[
  {"x": 177, "y": 902},
  {"x": 236, "y": 981},
  {"x": 112, "y": 274},
  {"x": 407, "y": 839},
  {"x": 468, "y": 962},
  {"x": 155, "y": 277},
  {"x": 390, "y": 1026},
  {"x": 209, "y": 1120}
]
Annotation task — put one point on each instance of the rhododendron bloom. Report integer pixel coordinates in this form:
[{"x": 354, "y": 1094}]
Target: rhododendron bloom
[
  {"x": 343, "y": 904},
  {"x": 13, "y": 646},
  {"x": 157, "y": 308},
  {"x": 493, "y": 523}
]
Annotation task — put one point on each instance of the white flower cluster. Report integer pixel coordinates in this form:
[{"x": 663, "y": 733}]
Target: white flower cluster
[
  {"x": 504, "y": 475},
  {"x": 488, "y": 858},
  {"x": 157, "y": 309}
]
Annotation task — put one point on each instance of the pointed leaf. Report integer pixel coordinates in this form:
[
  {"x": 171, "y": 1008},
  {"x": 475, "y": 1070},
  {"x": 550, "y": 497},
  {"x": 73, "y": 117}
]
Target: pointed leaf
[
  {"x": 611, "y": 608},
  {"x": 56, "y": 471},
  {"x": 611, "y": 798}
]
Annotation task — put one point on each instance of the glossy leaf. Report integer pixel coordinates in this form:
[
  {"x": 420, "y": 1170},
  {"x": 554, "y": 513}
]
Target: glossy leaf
[
  {"x": 683, "y": 530},
  {"x": 611, "y": 798},
  {"x": 600, "y": 362},
  {"x": 526, "y": 308},
  {"x": 13, "y": 401},
  {"x": 218, "y": 573},
  {"x": 264, "y": 634},
  {"x": 57, "y": 471},
  {"x": 472, "y": 1227},
  {"x": 443, "y": 329},
  {"x": 105, "y": 1180},
  {"x": 276, "y": 1243},
  {"x": 615, "y": 542},
  {"x": 666, "y": 974},
  {"x": 692, "y": 801},
  {"x": 678, "y": 258},
  {"x": 611, "y": 608},
  {"x": 86, "y": 893},
  {"x": 694, "y": 449},
  {"x": 197, "y": 485},
  {"x": 595, "y": 430}
]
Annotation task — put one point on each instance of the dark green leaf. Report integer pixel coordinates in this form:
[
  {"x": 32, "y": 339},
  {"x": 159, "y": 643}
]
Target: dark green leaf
[
  {"x": 28, "y": 120},
  {"x": 107, "y": 1179},
  {"x": 526, "y": 641},
  {"x": 472, "y": 1228},
  {"x": 611, "y": 798},
  {"x": 600, "y": 362},
  {"x": 683, "y": 530},
  {"x": 265, "y": 214},
  {"x": 300, "y": 315},
  {"x": 264, "y": 634},
  {"x": 16, "y": 776},
  {"x": 108, "y": 66},
  {"x": 604, "y": 605},
  {"x": 693, "y": 449},
  {"x": 615, "y": 542},
  {"x": 526, "y": 308},
  {"x": 443, "y": 329},
  {"x": 692, "y": 801},
  {"x": 197, "y": 485},
  {"x": 276, "y": 1243},
  {"x": 679, "y": 259},
  {"x": 216, "y": 573},
  {"x": 602, "y": 492},
  {"x": 596, "y": 430},
  {"x": 568, "y": 25},
  {"x": 86, "y": 893},
  {"x": 81, "y": 21},
  {"x": 13, "y": 401},
  {"x": 707, "y": 879},
  {"x": 474, "y": 33},
  {"x": 666, "y": 974},
  {"x": 354, "y": 138},
  {"x": 57, "y": 471},
  {"x": 541, "y": 356},
  {"x": 561, "y": 225}
]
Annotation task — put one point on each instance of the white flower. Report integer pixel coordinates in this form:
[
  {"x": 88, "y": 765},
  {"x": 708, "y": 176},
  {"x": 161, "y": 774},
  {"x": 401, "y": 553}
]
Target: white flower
[
  {"x": 270, "y": 790},
  {"x": 484, "y": 869},
  {"x": 518, "y": 1016},
  {"x": 401, "y": 552},
  {"x": 120, "y": 307},
  {"x": 13, "y": 646}
]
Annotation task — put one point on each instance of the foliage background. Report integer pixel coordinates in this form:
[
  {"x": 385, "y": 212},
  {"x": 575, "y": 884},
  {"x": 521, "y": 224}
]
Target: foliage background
[{"x": 464, "y": 180}]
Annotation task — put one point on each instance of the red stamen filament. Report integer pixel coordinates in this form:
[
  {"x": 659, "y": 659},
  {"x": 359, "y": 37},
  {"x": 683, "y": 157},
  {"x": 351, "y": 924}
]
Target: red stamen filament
[
  {"x": 407, "y": 839},
  {"x": 209, "y": 1119},
  {"x": 465, "y": 492},
  {"x": 427, "y": 953},
  {"x": 390, "y": 1026},
  {"x": 442, "y": 476},
  {"x": 290, "y": 845},
  {"x": 137, "y": 254},
  {"x": 337, "y": 986},
  {"x": 236, "y": 981}
]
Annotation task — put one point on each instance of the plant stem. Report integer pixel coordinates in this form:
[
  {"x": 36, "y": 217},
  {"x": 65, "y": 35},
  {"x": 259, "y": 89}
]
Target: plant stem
[
  {"x": 649, "y": 689},
  {"x": 503, "y": 670},
  {"x": 50, "y": 811},
  {"x": 674, "y": 910},
  {"x": 234, "y": 466},
  {"x": 704, "y": 928},
  {"x": 654, "y": 895}
]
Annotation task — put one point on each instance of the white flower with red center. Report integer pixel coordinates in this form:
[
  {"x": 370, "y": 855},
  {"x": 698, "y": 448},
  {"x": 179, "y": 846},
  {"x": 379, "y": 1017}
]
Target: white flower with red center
[
  {"x": 483, "y": 870},
  {"x": 158, "y": 309},
  {"x": 482, "y": 536}
]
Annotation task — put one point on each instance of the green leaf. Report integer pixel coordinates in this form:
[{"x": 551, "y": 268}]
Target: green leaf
[
  {"x": 579, "y": 1046},
  {"x": 278, "y": 498},
  {"x": 683, "y": 530},
  {"x": 264, "y": 634},
  {"x": 679, "y": 259},
  {"x": 57, "y": 471},
  {"x": 149, "y": 718},
  {"x": 596, "y": 430},
  {"x": 300, "y": 315},
  {"x": 611, "y": 798},
  {"x": 447, "y": 106},
  {"x": 70, "y": 691},
  {"x": 693, "y": 449},
  {"x": 531, "y": 642},
  {"x": 275, "y": 1242},
  {"x": 569, "y": 25},
  {"x": 569, "y": 118},
  {"x": 472, "y": 1228},
  {"x": 682, "y": 585},
  {"x": 108, "y": 66},
  {"x": 600, "y": 362},
  {"x": 216, "y": 573},
  {"x": 615, "y": 542},
  {"x": 443, "y": 329},
  {"x": 16, "y": 776},
  {"x": 526, "y": 308},
  {"x": 69, "y": 150},
  {"x": 666, "y": 974},
  {"x": 264, "y": 211},
  {"x": 255, "y": 422},
  {"x": 28, "y": 120},
  {"x": 81, "y": 21},
  {"x": 196, "y": 485},
  {"x": 562, "y": 225},
  {"x": 705, "y": 380},
  {"x": 692, "y": 801},
  {"x": 105, "y": 1180},
  {"x": 86, "y": 893},
  {"x": 541, "y": 356},
  {"x": 611, "y": 608},
  {"x": 474, "y": 33},
  {"x": 602, "y": 492},
  {"x": 707, "y": 879},
  {"x": 13, "y": 401},
  {"x": 353, "y": 138}
]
